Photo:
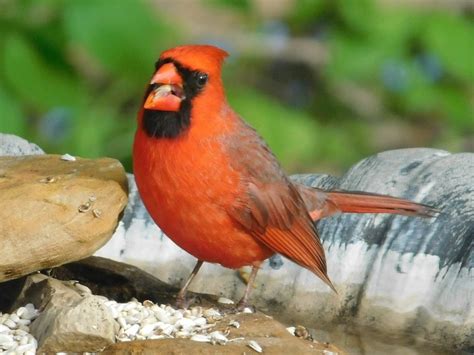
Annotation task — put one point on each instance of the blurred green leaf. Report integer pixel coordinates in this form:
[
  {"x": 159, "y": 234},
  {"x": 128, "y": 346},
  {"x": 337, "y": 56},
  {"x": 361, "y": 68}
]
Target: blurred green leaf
[
  {"x": 306, "y": 12},
  {"x": 420, "y": 95},
  {"x": 458, "y": 108},
  {"x": 124, "y": 36},
  {"x": 91, "y": 59},
  {"x": 241, "y": 5},
  {"x": 11, "y": 118},
  {"x": 358, "y": 15},
  {"x": 355, "y": 59},
  {"x": 392, "y": 31},
  {"x": 451, "y": 38},
  {"x": 93, "y": 127},
  {"x": 33, "y": 80}
]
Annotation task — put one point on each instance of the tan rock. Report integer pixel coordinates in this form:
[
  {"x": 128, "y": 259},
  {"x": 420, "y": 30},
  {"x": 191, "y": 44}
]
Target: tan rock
[
  {"x": 86, "y": 326},
  {"x": 54, "y": 211},
  {"x": 271, "y": 335},
  {"x": 70, "y": 320}
]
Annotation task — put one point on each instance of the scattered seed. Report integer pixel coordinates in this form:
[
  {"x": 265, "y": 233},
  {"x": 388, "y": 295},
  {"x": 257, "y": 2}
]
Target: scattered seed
[
  {"x": 14, "y": 331},
  {"x": 255, "y": 346},
  {"x": 301, "y": 332},
  {"x": 85, "y": 207},
  {"x": 236, "y": 339},
  {"x": 201, "y": 338},
  {"x": 148, "y": 303},
  {"x": 224, "y": 300},
  {"x": 48, "y": 180},
  {"x": 83, "y": 289},
  {"x": 235, "y": 324},
  {"x": 218, "y": 337},
  {"x": 291, "y": 330},
  {"x": 200, "y": 321},
  {"x": 10, "y": 324},
  {"x": 68, "y": 157},
  {"x": 133, "y": 330},
  {"x": 211, "y": 313},
  {"x": 97, "y": 212}
]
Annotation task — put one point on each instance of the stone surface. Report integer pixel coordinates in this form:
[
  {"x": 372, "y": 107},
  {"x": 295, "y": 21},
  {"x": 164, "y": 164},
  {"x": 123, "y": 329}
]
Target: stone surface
[
  {"x": 86, "y": 326},
  {"x": 11, "y": 145},
  {"x": 397, "y": 275},
  {"x": 268, "y": 333},
  {"x": 122, "y": 282},
  {"x": 112, "y": 279},
  {"x": 70, "y": 320},
  {"x": 55, "y": 211}
]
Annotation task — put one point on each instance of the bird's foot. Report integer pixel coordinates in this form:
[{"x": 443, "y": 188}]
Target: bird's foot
[
  {"x": 243, "y": 306},
  {"x": 182, "y": 302}
]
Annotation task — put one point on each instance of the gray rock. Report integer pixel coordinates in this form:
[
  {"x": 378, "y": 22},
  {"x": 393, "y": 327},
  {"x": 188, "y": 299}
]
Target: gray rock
[
  {"x": 14, "y": 145},
  {"x": 398, "y": 275},
  {"x": 69, "y": 321}
]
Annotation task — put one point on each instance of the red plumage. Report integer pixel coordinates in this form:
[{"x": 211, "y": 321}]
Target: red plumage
[{"x": 213, "y": 185}]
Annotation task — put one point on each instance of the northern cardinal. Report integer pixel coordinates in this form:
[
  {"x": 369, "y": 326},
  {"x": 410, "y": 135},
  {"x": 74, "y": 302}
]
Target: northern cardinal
[{"x": 213, "y": 185}]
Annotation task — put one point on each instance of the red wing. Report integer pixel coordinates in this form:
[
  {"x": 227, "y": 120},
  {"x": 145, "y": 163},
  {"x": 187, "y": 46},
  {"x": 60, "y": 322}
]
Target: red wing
[
  {"x": 276, "y": 216},
  {"x": 268, "y": 206}
]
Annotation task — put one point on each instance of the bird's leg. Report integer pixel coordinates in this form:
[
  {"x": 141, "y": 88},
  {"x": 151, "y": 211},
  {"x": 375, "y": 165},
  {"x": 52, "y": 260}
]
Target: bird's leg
[
  {"x": 243, "y": 302},
  {"x": 181, "y": 297}
]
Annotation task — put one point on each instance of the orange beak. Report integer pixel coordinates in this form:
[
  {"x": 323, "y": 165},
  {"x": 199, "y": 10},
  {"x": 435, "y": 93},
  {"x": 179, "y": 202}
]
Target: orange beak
[{"x": 168, "y": 92}]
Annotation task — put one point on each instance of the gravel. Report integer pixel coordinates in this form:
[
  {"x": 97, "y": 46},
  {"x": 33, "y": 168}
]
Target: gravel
[
  {"x": 15, "y": 337},
  {"x": 140, "y": 321},
  {"x": 136, "y": 320}
]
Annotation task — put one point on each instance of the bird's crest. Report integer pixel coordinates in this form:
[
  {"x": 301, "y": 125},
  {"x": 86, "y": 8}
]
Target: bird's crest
[{"x": 197, "y": 57}]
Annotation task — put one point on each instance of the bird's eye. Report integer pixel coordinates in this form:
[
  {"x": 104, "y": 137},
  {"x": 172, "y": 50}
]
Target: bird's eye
[{"x": 201, "y": 79}]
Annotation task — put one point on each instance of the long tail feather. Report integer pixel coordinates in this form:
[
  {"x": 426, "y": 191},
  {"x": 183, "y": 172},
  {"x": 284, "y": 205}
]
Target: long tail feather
[
  {"x": 322, "y": 203},
  {"x": 363, "y": 202}
]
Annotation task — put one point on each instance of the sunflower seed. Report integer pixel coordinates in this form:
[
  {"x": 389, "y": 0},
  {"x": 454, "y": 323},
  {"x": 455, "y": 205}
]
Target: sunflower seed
[
  {"x": 219, "y": 338},
  {"x": 255, "y": 346},
  {"x": 235, "y": 324},
  {"x": 201, "y": 338},
  {"x": 224, "y": 300},
  {"x": 291, "y": 330},
  {"x": 68, "y": 157}
]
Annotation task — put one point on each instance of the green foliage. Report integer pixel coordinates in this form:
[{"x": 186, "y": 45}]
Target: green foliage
[
  {"x": 294, "y": 136},
  {"x": 305, "y": 13},
  {"x": 12, "y": 120},
  {"x": 451, "y": 38},
  {"x": 87, "y": 60},
  {"x": 120, "y": 35},
  {"x": 72, "y": 75},
  {"x": 240, "y": 5},
  {"x": 46, "y": 86},
  {"x": 419, "y": 64}
]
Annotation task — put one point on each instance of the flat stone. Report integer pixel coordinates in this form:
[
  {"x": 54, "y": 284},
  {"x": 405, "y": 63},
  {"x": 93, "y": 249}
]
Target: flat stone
[
  {"x": 55, "y": 211},
  {"x": 70, "y": 321},
  {"x": 86, "y": 326},
  {"x": 122, "y": 282},
  {"x": 271, "y": 335},
  {"x": 74, "y": 321}
]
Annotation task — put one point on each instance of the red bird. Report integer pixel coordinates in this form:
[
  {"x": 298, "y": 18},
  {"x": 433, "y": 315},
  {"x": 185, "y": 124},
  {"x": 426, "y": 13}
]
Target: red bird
[{"x": 212, "y": 184}]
